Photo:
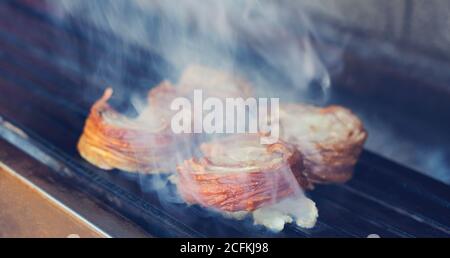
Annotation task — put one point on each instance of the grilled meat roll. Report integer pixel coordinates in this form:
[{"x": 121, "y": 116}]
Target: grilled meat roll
[
  {"x": 237, "y": 173},
  {"x": 161, "y": 96},
  {"x": 111, "y": 140},
  {"x": 214, "y": 83},
  {"x": 330, "y": 140}
]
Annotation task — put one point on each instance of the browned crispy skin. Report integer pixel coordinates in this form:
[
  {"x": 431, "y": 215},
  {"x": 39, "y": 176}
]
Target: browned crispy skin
[
  {"x": 110, "y": 140},
  {"x": 213, "y": 83},
  {"x": 161, "y": 96},
  {"x": 330, "y": 140},
  {"x": 242, "y": 186}
]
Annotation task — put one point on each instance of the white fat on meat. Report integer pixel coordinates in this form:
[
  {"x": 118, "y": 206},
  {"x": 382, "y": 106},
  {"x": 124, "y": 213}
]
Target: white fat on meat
[{"x": 300, "y": 209}]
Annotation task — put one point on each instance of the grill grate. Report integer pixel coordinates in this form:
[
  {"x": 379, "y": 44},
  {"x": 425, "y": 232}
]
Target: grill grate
[{"x": 46, "y": 93}]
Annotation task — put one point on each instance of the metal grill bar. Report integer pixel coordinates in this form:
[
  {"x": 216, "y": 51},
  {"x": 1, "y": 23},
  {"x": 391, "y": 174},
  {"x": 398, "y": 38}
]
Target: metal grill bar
[{"x": 43, "y": 87}]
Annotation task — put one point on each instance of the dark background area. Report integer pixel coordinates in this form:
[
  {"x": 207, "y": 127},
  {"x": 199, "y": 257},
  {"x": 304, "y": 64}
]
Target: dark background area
[
  {"x": 396, "y": 65},
  {"x": 388, "y": 62},
  {"x": 49, "y": 77}
]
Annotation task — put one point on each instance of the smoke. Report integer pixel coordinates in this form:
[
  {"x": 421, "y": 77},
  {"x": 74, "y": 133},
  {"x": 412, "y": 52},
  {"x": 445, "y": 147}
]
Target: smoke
[
  {"x": 266, "y": 41},
  {"x": 412, "y": 148}
]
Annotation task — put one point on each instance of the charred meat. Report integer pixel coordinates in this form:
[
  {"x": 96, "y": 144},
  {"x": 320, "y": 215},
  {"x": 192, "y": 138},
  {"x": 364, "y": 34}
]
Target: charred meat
[
  {"x": 237, "y": 173},
  {"x": 213, "y": 83},
  {"x": 330, "y": 140},
  {"x": 111, "y": 140}
]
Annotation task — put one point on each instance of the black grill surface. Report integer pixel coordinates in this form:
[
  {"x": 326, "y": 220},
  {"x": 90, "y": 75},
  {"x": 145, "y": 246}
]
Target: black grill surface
[{"x": 47, "y": 87}]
